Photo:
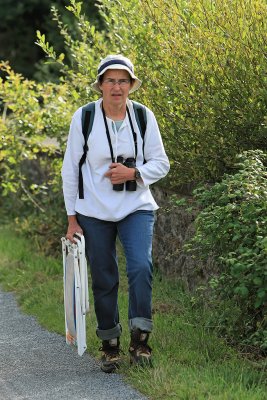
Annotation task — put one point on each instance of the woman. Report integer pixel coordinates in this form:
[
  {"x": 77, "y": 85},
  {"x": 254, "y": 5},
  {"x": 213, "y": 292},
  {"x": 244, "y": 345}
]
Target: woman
[{"x": 117, "y": 173}]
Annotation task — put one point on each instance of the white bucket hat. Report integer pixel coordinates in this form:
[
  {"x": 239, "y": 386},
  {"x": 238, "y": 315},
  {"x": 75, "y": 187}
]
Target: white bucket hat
[{"x": 116, "y": 62}]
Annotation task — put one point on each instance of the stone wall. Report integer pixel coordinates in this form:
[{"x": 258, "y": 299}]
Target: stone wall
[{"x": 173, "y": 228}]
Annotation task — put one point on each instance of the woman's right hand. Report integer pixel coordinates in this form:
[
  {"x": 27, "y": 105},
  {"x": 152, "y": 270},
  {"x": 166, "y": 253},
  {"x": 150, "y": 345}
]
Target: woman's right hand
[{"x": 73, "y": 228}]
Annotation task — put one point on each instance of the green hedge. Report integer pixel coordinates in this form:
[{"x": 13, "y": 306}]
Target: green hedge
[{"x": 232, "y": 227}]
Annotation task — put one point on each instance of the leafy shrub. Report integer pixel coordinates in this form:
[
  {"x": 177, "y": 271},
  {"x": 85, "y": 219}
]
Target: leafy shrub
[
  {"x": 33, "y": 130},
  {"x": 232, "y": 226}
]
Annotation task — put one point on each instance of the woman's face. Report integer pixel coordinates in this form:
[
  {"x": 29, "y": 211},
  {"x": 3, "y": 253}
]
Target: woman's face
[{"x": 116, "y": 94}]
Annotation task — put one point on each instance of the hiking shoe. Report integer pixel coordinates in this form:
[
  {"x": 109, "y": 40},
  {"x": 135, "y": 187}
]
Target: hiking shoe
[
  {"x": 110, "y": 359},
  {"x": 140, "y": 352}
]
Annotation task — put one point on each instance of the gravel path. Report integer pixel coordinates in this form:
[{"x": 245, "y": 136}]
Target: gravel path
[{"x": 38, "y": 365}]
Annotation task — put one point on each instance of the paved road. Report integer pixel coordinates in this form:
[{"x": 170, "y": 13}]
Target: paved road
[{"x": 37, "y": 365}]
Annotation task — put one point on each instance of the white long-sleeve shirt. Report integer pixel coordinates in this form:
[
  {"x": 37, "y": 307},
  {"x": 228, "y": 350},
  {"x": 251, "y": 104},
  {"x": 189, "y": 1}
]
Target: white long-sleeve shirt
[{"x": 100, "y": 200}]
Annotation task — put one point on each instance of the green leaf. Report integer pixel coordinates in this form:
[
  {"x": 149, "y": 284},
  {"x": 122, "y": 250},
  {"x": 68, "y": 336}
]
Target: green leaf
[{"x": 242, "y": 291}]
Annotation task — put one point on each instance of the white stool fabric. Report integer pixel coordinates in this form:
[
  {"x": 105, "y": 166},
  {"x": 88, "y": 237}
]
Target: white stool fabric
[{"x": 76, "y": 297}]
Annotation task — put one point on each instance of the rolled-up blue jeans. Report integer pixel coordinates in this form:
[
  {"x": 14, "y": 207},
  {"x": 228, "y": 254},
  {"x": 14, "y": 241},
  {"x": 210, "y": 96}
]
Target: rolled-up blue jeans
[{"x": 135, "y": 233}]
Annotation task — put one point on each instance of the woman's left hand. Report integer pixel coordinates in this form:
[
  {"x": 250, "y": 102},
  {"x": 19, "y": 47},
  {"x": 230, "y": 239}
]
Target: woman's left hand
[{"x": 119, "y": 173}]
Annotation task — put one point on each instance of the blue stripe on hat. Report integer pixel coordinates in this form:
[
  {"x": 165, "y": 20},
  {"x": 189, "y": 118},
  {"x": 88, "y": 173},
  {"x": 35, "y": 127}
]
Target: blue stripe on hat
[{"x": 112, "y": 62}]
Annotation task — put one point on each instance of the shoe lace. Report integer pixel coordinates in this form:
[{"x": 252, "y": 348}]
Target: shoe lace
[
  {"x": 111, "y": 350},
  {"x": 141, "y": 347}
]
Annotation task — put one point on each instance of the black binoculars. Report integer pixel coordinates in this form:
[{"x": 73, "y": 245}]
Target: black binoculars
[{"x": 129, "y": 185}]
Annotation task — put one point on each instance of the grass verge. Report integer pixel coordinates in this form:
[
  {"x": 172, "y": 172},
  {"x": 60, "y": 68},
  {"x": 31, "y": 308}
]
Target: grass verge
[{"x": 189, "y": 361}]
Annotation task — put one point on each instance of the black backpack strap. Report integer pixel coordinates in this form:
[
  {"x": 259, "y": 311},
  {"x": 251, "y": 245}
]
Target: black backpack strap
[
  {"x": 88, "y": 114},
  {"x": 141, "y": 119}
]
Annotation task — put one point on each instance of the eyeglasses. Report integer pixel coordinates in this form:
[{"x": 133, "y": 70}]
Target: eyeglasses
[{"x": 112, "y": 82}]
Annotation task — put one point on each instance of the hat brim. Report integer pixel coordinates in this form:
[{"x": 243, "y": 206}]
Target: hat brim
[{"x": 137, "y": 83}]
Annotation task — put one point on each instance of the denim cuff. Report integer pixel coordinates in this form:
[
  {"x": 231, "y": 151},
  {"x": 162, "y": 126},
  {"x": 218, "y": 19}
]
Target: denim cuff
[
  {"x": 144, "y": 324},
  {"x": 107, "y": 334}
]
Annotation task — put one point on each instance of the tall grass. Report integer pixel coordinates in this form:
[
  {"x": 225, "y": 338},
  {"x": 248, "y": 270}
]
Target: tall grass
[{"x": 190, "y": 362}]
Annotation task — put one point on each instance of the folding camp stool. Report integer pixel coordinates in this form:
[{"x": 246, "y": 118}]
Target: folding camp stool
[{"x": 76, "y": 297}]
